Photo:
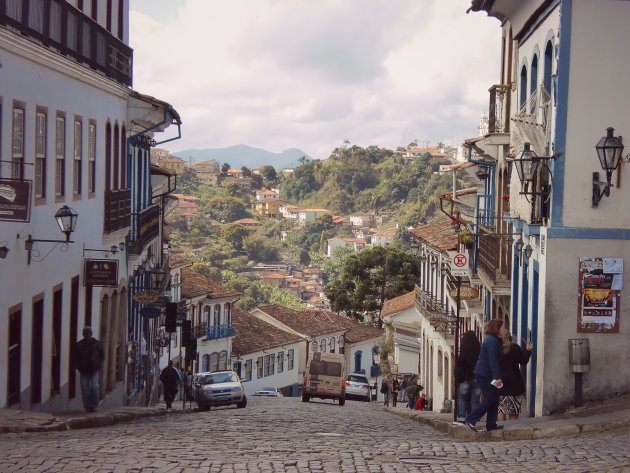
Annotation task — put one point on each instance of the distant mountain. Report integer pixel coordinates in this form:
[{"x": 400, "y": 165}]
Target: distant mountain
[{"x": 243, "y": 155}]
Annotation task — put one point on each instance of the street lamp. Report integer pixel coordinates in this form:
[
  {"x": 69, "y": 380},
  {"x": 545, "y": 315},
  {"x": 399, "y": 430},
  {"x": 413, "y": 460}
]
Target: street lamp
[
  {"x": 66, "y": 218},
  {"x": 609, "y": 150},
  {"x": 533, "y": 169}
]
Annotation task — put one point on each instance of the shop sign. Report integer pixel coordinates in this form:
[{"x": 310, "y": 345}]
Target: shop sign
[
  {"x": 100, "y": 272},
  {"x": 465, "y": 292},
  {"x": 146, "y": 297},
  {"x": 15, "y": 200},
  {"x": 150, "y": 312}
]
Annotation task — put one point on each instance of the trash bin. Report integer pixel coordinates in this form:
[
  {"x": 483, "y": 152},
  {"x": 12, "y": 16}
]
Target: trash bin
[{"x": 579, "y": 355}]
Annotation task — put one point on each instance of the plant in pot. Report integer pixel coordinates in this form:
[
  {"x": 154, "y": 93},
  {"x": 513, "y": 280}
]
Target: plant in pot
[{"x": 466, "y": 238}]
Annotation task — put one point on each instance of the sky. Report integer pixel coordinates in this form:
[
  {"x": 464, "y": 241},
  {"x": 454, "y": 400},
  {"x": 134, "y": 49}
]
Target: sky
[{"x": 310, "y": 74}]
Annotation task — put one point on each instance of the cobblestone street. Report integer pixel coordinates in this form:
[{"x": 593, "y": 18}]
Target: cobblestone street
[{"x": 286, "y": 435}]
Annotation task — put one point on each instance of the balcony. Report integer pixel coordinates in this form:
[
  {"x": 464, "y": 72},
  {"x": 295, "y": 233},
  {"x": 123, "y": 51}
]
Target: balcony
[
  {"x": 441, "y": 319},
  {"x": 117, "y": 210},
  {"x": 145, "y": 226},
  {"x": 494, "y": 258},
  {"x": 57, "y": 25},
  {"x": 199, "y": 331},
  {"x": 220, "y": 331},
  {"x": 499, "y": 109}
]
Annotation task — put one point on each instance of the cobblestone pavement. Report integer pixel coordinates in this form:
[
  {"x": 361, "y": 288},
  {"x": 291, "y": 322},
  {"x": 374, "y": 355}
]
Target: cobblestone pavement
[{"x": 286, "y": 435}]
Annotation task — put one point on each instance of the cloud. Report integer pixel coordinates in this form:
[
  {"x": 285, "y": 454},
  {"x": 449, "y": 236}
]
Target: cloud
[{"x": 278, "y": 74}]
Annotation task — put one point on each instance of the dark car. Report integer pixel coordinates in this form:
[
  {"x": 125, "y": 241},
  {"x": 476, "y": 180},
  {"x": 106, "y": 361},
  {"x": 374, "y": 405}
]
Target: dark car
[
  {"x": 218, "y": 388},
  {"x": 358, "y": 387}
]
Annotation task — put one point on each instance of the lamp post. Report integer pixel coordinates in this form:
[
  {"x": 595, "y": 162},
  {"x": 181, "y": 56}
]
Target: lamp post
[
  {"x": 609, "y": 150},
  {"x": 66, "y": 218}
]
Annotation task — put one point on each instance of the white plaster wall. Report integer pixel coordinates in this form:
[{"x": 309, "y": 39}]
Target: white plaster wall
[
  {"x": 278, "y": 380},
  {"x": 599, "y": 70},
  {"x": 610, "y": 352},
  {"x": 37, "y": 77}
]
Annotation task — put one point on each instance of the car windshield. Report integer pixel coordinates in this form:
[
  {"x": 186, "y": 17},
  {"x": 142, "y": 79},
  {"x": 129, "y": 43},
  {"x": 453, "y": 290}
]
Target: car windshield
[
  {"x": 218, "y": 378},
  {"x": 325, "y": 368},
  {"x": 357, "y": 379},
  {"x": 268, "y": 389}
]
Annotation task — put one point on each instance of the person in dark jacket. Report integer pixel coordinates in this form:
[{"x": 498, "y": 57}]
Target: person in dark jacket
[
  {"x": 488, "y": 375},
  {"x": 170, "y": 380},
  {"x": 88, "y": 359},
  {"x": 511, "y": 394},
  {"x": 468, "y": 392}
]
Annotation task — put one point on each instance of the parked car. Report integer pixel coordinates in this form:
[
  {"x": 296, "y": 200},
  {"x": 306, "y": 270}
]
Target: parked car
[
  {"x": 218, "y": 388},
  {"x": 325, "y": 377},
  {"x": 358, "y": 387},
  {"x": 268, "y": 392}
]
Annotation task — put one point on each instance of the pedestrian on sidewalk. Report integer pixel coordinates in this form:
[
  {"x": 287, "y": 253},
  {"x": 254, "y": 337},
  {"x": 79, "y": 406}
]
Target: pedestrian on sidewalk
[
  {"x": 511, "y": 394},
  {"x": 170, "y": 380},
  {"x": 403, "y": 389},
  {"x": 468, "y": 391},
  {"x": 395, "y": 389},
  {"x": 88, "y": 360},
  {"x": 385, "y": 389},
  {"x": 488, "y": 375}
]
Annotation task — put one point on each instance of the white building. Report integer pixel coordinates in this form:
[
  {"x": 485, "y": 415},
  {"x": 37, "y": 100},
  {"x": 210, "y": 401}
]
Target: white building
[{"x": 66, "y": 131}]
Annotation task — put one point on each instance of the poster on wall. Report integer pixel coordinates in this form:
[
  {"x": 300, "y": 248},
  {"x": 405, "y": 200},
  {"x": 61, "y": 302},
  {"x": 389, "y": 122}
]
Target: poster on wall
[{"x": 600, "y": 284}]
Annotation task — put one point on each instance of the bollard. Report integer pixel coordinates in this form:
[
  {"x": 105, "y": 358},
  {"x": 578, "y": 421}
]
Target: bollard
[{"x": 579, "y": 362}]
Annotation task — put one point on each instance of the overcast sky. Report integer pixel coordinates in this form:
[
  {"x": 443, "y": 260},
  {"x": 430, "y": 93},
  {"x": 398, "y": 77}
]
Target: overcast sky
[{"x": 308, "y": 74}]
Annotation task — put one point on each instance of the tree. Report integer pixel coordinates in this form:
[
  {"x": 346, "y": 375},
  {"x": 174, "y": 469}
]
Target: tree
[
  {"x": 225, "y": 168},
  {"x": 226, "y": 209},
  {"x": 261, "y": 249},
  {"x": 369, "y": 278},
  {"x": 235, "y": 234},
  {"x": 269, "y": 175}
]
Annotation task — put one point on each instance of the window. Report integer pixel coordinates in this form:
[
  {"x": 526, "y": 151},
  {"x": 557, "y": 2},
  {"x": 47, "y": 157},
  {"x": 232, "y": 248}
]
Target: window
[
  {"x": 267, "y": 370},
  {"x": 120, "y": 19},
  {"x": 280, "y": 362},
  {"x": 92, "y": 157},
  {"x": 332, "y": 345},
  {"x": 94, "y": 12},
  {"x": 322, "y": 345},
  {"x": 17, "y": 146},
  {"x": 341, "y": 344},
  {"x": 217, "y": 315},
  {"x": 272, "y": 363},
  {"x": 247, "y": 375},
  {"x": 108, "y": 18},
  {"x": 228, "y": 312},
  {"x": 205, "y": 362},
  {"x": 259, "y": 367},
  {"x": 314, "y": 346},
  {"x": 60, "y": 161},
  {"x": 40, "y": 155},
  {"x": 214, "y": 362},
  {"x": 78, "y": 157},
  {"x": 523, "y": 92},
  {"x": 223, "y": 360},
  {"x": 206, "y": 315},
  {"x": 290, "y": 355}
]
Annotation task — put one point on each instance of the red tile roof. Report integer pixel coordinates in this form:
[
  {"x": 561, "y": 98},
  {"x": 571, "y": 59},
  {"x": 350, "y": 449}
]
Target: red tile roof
[
  {"x": 398, "y": 304},
  {"x": 309, "y": 322},
  {"x": 196, "y": 285},
  {"x": 440, "y": 235},
  {"x": 253, "y": 334}
]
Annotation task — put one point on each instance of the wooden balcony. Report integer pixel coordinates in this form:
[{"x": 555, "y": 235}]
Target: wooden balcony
[
  {"x": 216, "y": 332},
  {"x": 57, "y": 25},
  {"x": 117, "y": 210},
  {"x": 499, "y": 109},
  {"x": 494, "y": 258}
]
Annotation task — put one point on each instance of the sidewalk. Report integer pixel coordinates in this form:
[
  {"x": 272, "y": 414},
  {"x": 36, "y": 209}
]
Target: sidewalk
[
  {"x": 12, "y": 420},
  {"x": 609, "y": 414}
]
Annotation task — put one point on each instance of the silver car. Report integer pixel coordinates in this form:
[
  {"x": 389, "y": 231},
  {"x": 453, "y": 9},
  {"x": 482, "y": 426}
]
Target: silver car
[
  {"x": 218, "y": 388},
  {"x": 358, "y": 387}
]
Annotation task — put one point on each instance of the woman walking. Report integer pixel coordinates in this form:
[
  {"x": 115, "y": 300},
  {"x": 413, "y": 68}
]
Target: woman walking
[
  {"x": 513, "y": 386},
  {"x": 488, "y": 375}
]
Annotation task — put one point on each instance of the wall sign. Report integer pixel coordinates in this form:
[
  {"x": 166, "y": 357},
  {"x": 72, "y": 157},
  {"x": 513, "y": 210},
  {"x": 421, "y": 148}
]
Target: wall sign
[
  {"x": 15, "y": 200},
  {"x": 599, "y": 294},
  {"x": 100, "y": 272}
]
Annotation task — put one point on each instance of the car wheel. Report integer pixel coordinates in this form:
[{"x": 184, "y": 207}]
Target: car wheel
[
  {"x": 305, "y": 398},
  {"x": 243, "y": 403},
  {"x": 204, "y": 407},
  {"x": 342, "y": 401}
]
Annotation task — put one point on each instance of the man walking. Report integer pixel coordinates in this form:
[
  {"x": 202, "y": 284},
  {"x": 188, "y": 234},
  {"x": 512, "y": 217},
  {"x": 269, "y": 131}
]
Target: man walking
[
  {"x": 170, "y": 379},
  {"x": 88, "y": 359}
]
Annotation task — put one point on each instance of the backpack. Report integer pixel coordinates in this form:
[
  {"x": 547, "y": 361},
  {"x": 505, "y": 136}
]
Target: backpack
[{"x": 384, "y": 388}]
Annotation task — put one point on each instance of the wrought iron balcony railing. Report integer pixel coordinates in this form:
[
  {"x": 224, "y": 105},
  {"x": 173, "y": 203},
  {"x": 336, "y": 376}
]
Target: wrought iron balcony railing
[
  {"x": 220, "y": 331},
  {"x": 57, "y": 25},
  {"x": 441, "y": 319},
  {"x": 199, "y": 331},
  {"x": 117, "y": 210}
]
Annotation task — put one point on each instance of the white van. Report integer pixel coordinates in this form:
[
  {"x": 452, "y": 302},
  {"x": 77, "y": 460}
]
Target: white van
[{"x": 325, "y": 377}]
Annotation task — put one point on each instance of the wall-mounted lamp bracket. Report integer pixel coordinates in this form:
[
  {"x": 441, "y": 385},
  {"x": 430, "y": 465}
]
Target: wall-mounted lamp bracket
[{"x": 600, "y": 189}]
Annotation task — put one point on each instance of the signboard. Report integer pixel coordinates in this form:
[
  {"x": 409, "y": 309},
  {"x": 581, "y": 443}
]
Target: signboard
[
  {"x": 599, "y": 294},
  {"x": 146, "y": 297},
  {"x": 466, "y": 292},
  {"x": 100, "y": 272},
  {"x": 150, "y": 311},
  {"x": 15, "y": 200},
  {"x": 459, "y": 264}
]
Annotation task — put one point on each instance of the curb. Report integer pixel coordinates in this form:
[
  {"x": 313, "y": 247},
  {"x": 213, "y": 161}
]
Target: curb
[
  {"x": 462, "y": 432},
  {"x": 99, "y": 420}
]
